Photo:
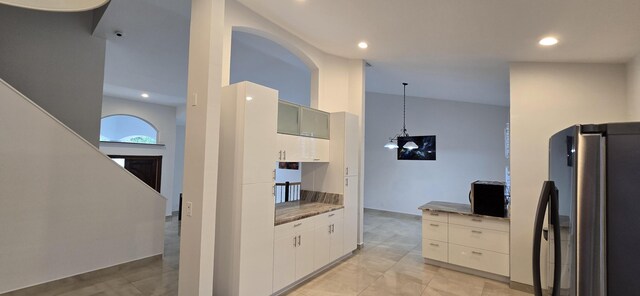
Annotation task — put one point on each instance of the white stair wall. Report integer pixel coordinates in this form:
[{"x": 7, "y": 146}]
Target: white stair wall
[{"x": 65, "y": 208}]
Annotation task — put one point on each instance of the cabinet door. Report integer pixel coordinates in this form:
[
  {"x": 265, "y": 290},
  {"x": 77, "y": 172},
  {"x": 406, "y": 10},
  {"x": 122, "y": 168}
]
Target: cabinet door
[
  {"x": 314, "y": 123},
  {"x": 288, "y": 118},
  {"x": 350, "y": 213},
  {"x": 284, "y": 261},
  {"x": 351, "y": 145},
  {"x": 257, "y": 236},
  {"x": 259, "y": 134},
  {"x": 305, "y": 253},
  {"x": 322, "y": 150},
  {"x": 337, "y": 239},
  {"x": 289, "y": 148},
  {"x": 322, "y": 243}
]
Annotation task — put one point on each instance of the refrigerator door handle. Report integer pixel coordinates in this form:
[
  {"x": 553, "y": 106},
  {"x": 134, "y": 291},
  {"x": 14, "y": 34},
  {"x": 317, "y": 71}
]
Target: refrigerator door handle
[
  {"x": 548, "y": 189},
  {"x": 557, "y": 244}
]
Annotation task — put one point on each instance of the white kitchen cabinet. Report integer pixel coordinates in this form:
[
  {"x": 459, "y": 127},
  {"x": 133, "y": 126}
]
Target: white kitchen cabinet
[
  {"x": 350, "y": 232},
  {"x": 304, "y": 253},
  {"x": 351, "y": 145},
  {"x": 301, "y": 149},
  {"x": 284, "y": 261},
  {"x": 245, "y": 203},
  {"x": 475, "y": 242},
  {"x": 329, "y": 238},
  {"x": 337, "y": 238},
  {"x": 479, "y": 259},
  {"x": 435, "y": 250},
  {"x": 293, "y": 248}
]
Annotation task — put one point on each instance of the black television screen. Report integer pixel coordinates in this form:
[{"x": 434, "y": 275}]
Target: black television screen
[{"x": 426, "y": 148}]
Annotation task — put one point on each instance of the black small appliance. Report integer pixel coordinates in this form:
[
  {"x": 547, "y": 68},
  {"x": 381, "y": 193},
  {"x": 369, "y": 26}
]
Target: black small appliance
[{"x": 488, "y": 198}]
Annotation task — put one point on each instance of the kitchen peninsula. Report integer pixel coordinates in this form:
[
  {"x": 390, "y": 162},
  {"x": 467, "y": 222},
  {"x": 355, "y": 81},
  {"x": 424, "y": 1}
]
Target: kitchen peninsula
[{"x": 455, "y": 238}]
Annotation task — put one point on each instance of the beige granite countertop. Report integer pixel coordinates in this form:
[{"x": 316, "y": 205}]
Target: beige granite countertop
[
  {"x": 295, "y": 210},
  {"x": 452, "y": 207}
]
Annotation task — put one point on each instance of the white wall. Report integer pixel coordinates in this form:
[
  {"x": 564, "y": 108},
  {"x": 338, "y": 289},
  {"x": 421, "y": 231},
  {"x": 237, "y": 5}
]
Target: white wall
[
  {"x": 633, "y": 88},
  {"x": 545, "y": 98},
  {"x": 53, "y": 59},
  {"x": 162, "y": 118},
  {"x": 259, "y": 60},
  {"x": 65, "y": 208},
  {"x": 469, "y": 145}
]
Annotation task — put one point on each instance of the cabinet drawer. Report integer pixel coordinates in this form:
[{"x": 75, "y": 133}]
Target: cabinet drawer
[
  {"x": 482, "y": 222},
  {"x": 434, "y": 230},
  {"x": 435, "y": 216},
  {"x": 486, "y": 239},
  {"x": 435, "y": 250},
  {"x": 329, "y": 217},
  {"x": 479, "y": 259},
  {"x": 294, "y": 227}
]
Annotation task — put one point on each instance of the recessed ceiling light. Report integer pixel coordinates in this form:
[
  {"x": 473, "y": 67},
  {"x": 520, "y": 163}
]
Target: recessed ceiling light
[
  {"x": 548, "y": 41},
  {"x": 363, "y": 45},
  {"x": 249, "y": 98},
  {"x": 144, "y": 95}
]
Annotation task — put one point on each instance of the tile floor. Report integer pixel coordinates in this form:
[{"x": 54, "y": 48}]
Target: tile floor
[{"x": 390, "y": 264}]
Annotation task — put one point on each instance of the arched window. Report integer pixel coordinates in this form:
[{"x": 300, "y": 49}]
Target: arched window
[{"x": 127, "y": 129}]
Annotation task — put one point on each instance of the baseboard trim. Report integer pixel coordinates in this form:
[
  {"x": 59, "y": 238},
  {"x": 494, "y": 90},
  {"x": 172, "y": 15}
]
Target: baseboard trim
[
  {"x": 480, "y": 273},
  {"x": 41, "y": 288},
  {"x": 521, "y": 287}
]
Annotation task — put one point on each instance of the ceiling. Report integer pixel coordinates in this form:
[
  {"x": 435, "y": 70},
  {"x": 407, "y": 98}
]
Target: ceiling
[
  {"x": 152, "y": 56},
  {"x": 456, "y": 49}
]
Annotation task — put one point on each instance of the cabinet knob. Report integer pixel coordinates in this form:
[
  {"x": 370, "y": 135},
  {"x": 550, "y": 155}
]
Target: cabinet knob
[
  {"x": 296, "y": 225},
  {"x": 476, "y": 253},
  {"x": 434, "y": 214},
  {"x": 435, "y": 245},
  {"x": 434, "y": 225},
  {"x": 280, "y": 157},
  {"x": 299, "y": 240},
  {"x": 295, "y": 241},
  {"x": 476, "y": 231}
]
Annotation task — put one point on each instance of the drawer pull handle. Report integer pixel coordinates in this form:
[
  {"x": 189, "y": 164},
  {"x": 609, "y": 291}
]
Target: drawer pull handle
[
  {"x": 331, "y": 215},
  {"x": 476, "y": 220},
  {"x": 435, "y": 245},
  {"x": 434, "y": 225},
  {"x": 434, "y": 214},
  {"x": 476, "y": 231},
  {"x": 476, "y": 253},
  {"x": 296, "y": 225}
]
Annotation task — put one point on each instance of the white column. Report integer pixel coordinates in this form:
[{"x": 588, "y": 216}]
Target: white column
[{"x": 201, "y": 148}]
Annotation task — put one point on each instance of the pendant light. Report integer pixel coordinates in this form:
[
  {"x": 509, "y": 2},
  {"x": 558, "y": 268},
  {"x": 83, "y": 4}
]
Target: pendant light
[{"x": 393, "y": 142}]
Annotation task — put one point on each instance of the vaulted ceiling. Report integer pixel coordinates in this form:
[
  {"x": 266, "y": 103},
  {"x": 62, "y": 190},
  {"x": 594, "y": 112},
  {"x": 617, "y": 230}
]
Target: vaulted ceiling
[
  {"x": 459, "y": 49},
  {"x": 445, "y": 49}
]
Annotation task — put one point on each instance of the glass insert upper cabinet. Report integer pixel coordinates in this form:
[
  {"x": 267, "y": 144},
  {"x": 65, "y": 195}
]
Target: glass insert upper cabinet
[
  {"x": 314, "y": 123},
  {"x": 288, "y": 118},
  {"x": 302, "y": 121}
]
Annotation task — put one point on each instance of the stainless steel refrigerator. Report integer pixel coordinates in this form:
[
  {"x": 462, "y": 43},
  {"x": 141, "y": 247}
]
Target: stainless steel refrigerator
[{"x": 593, "y": 202}]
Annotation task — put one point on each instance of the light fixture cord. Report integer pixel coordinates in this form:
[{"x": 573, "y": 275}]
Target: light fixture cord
[{"x": 404, "y": 109}]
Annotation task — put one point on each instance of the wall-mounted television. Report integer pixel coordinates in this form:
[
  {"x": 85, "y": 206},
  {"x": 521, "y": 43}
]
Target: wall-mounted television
[{"x": 426, "y": 148}]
